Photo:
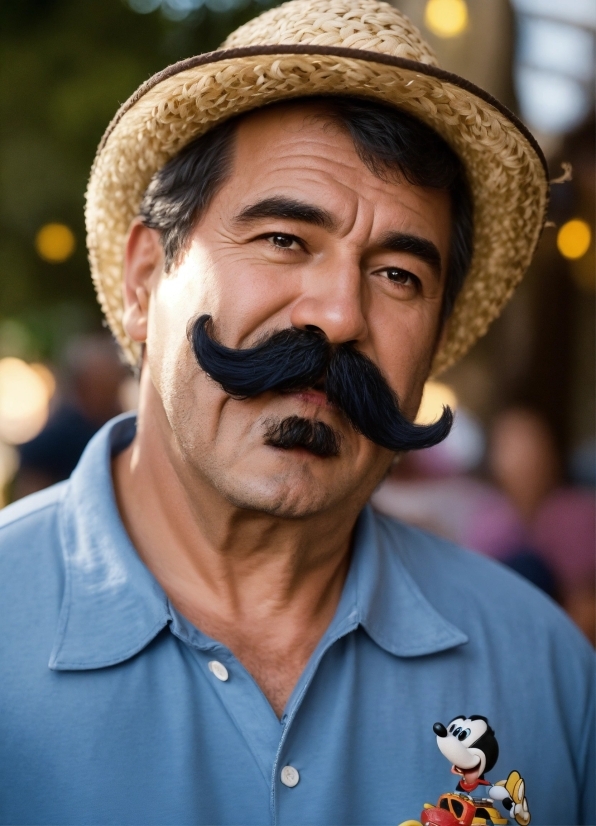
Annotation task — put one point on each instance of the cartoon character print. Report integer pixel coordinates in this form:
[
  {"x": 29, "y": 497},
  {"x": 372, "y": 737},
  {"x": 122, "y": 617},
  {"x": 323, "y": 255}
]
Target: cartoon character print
[{"x": 470, "y": 745}]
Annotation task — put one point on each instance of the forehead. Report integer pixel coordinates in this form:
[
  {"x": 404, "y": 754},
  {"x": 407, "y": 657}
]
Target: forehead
[
  {"x": 301, "y": 151},
  {"x": 296, "y": 142},
  {"x": 285, "y": 121},
  {"x": 300, "y": 135}
]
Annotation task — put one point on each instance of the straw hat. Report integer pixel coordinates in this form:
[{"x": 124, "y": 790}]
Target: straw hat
[{"x": 316, "y": 47}]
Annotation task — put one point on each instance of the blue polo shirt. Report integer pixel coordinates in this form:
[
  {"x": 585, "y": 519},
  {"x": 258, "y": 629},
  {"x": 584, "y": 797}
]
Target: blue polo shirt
[{"x": 114, "y": 709}]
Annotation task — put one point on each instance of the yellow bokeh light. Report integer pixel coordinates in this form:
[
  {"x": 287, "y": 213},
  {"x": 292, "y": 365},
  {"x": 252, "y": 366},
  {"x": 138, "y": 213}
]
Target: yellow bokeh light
[
  {"x": 24, "y": 399},
  {"x": 446, "y": 18},
  {"x": 9, "y": 464},
  {"x": 46, "y": 376},
  {"x": 55, "y": 243},
  {"x": 573, "y": 239},
  {"x": 436, "y": 395}
]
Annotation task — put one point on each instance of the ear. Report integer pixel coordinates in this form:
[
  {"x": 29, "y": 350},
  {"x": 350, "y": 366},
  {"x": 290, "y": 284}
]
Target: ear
[{"x": 143, "y": 264}]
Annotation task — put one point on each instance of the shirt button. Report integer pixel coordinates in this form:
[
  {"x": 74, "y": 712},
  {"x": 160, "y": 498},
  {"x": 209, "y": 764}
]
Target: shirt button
[
  {"x": 290, "y": 776},
  {"x": 219, "y": 670}
]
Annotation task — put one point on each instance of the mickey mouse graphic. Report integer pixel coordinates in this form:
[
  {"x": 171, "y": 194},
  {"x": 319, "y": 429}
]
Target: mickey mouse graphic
[{"x": 470, "y": 745}]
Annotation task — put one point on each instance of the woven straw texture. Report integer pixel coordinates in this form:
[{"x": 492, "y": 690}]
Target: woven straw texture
[{"x": 504, "y": 168}]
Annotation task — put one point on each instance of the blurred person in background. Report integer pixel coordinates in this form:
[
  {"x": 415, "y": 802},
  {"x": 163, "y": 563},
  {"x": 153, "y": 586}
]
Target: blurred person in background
[
  {"x": 537, "y": 524},
  {"x": 92, "y": 377},
  {"x": 437, "y": 489}
]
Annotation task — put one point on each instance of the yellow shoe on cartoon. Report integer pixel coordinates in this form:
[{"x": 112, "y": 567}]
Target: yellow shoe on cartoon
[
  {"x": 515, "y": 787},
  {"x": 517, "y": 791}
]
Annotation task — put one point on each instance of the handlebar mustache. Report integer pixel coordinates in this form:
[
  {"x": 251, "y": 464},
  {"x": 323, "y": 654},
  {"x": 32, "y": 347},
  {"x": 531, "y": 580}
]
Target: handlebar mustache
[{"x": 293, "y": 359}]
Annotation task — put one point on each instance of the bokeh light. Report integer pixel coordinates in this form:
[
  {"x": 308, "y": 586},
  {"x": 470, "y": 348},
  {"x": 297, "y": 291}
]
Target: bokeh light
[
  {"x": 554, "y": 60},
  {"x": 25, "y": 393},
  {"x": 436, "y": 395},
  {"x": 46, "y": 375},
  {"x": 446, "y": 18},
  {"x": 55, "y": 243},
  {"x": 573, "y": 239},
  {"x": 9, "y": 463},
  {"x": 178, "y": 10}
]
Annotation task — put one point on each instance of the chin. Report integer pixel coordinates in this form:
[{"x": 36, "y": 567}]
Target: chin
[
  {"x": 288, "y": 488},
  {"x": 284, "y": 503}
]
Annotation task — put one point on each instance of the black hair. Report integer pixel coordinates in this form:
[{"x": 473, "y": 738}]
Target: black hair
[
  {"x": 386, "y": 140},
  {"x": 294, "y": 359}
]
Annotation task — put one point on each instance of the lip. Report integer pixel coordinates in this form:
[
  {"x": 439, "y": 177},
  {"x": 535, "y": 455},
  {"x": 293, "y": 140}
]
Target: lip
[{"x": 311, "y": 396}]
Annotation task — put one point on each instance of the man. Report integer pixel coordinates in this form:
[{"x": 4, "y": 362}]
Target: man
[{"x": 232, "y": 635}]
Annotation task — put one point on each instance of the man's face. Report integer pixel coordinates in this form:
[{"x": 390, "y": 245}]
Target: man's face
[{"x": 302, "y": 234}]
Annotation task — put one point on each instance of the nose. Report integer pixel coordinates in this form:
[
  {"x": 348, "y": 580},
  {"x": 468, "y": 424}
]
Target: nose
[
  {"x": 332, "y": 301},
  {"x": 440, "y": 730}
]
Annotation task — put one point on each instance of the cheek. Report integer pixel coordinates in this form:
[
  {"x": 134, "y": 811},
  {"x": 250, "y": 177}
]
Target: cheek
[
  {"x": 174, "y": 303},
  {"x": 233, "y": 284},
  {"x": 404, "y": 342},
  {"x": 249, "y": 294},
  {"x": 185, "y": 394}
]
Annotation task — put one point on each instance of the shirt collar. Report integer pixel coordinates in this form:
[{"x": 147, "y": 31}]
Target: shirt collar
[
  {"x": 113, "y": 606},
  {"x": 387, "y": 600}
]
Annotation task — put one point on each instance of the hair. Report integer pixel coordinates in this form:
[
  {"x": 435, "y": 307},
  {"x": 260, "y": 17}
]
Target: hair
[
  {"x": 387, "y": 140},
  {"x": 292, "y": 359}
]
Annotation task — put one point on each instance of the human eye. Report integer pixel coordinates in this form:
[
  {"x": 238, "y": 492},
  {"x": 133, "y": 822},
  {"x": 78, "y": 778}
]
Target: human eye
[
  {"x": 283, "y": 241},
  {"x": 401, "y": 277}
]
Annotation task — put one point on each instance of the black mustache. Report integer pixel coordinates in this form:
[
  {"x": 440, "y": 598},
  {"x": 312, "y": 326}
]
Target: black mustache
[
  {"x": 317, "y": 437},
  {"x": 294, "y": 359}
]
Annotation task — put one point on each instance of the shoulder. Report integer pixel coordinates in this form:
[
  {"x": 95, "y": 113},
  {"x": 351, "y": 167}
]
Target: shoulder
[
  {"x": 31, "y": 564},
  {"x": 479, "y": 594},
  {"x": 439, "y": 564},
  {"x": 25, "y": 516}
]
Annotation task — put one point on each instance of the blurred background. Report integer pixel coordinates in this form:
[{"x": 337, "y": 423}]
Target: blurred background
[{"x": 516, "y": 478}]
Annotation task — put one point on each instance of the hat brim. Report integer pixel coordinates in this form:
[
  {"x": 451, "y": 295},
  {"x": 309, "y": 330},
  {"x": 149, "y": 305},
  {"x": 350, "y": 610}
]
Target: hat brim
[{"x": 505, "y": 167}]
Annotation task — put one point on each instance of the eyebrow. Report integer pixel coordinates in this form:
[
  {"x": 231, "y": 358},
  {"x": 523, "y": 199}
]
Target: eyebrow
[
  {"x": 422, "y": 248},
  {"x": 290, "y": 209},
  {"x": 279, "y": 207}
]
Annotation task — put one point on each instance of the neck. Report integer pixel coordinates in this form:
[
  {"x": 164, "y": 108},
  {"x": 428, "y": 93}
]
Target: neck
[{"x": 265, "y": 587}]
